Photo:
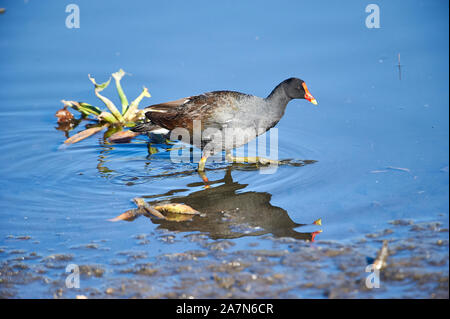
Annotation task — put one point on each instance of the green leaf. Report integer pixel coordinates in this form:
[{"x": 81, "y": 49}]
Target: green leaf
[
  {"x": 107, "y": 117},
  {"x": 83, "y": 108},
  {"x": 133, "y": 108},
  {"x": 123, "y": 99},
  {"x": 109, "y": 104},
  {"x": 90, "y": 109},
  {"x": 99, "y": 87}
]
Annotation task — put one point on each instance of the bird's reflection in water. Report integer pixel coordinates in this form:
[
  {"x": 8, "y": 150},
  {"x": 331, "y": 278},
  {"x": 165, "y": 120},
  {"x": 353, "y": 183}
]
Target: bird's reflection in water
[{"x": 228, "y": 212}]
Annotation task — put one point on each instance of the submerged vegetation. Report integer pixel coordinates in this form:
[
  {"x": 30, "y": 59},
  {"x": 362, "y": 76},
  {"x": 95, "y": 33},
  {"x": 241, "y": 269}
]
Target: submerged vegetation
[{"x": 113, "y": 119}]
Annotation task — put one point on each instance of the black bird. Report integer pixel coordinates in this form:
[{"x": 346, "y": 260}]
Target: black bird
[{"x": 226, "y": 119}]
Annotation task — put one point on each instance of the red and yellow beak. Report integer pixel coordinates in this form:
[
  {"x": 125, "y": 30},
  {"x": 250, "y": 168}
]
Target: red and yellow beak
[{"x": 308, "y": 95}]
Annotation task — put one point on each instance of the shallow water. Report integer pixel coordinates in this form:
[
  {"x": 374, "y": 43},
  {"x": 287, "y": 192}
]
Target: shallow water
[{"x": 380, "y": 144}]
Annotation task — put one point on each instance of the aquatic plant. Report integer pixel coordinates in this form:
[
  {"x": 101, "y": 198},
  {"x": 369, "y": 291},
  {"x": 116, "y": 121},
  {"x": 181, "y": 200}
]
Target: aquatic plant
[{"x": 113, "y": 119}]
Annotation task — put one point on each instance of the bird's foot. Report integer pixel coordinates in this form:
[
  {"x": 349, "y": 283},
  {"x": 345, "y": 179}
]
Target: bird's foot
[
  {"x": 253, "y": 160},
  {"x": 204, "y": 178}
]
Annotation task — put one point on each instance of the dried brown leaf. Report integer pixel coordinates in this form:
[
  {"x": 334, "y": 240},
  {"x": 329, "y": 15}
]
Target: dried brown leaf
[
  {"x": 123, "y": 136},
  {"x": 84, "y": 134},
  {"x": 64, "y": 115},
  {"x": 129, "y": 215}
]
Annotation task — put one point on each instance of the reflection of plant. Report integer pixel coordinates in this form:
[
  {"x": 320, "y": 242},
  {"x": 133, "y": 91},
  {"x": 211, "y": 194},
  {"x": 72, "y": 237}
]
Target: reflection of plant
[
  {"x": 168, "y": 211},
  {"x": 114, "y": 118},
  {"x": 213, "y": 212}
]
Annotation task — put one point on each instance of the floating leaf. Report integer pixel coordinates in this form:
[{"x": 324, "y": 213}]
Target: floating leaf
[
  {"x": 129, "y": 215},
  {"x": 64, "y": 115},
  {"x": 123, "y": 99},
  {"x": 84, "y": 134},
  {"x": 114, "y": 118},
  {"x": 123, "y": 136}
]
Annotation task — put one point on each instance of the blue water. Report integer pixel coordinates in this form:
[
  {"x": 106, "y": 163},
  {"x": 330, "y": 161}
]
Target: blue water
[{"x": 368, "y": 122}]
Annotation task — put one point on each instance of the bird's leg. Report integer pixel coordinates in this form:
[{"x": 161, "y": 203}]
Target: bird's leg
[
  {"x": 201, "y": 170},
  {"x": 252, "y": 159},
  {"x": 203, "y": 177},
  {"x": 201, "y": 164}
]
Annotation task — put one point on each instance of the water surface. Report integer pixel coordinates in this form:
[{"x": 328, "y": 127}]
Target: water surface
[{"x": 380, "y": 146}]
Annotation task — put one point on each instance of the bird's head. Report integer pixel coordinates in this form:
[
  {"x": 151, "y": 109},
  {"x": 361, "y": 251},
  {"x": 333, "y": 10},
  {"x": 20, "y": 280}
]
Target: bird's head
[{"x": 297, "y": 89}]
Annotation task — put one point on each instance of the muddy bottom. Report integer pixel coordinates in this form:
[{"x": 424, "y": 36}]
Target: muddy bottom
[{"x": 417, "y": 267}]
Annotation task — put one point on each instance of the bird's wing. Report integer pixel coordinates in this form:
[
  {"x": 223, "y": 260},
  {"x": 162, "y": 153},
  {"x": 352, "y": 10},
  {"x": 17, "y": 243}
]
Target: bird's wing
[
  {"x": 182, "y": 112},
  {"x": 167, "y": 106}
]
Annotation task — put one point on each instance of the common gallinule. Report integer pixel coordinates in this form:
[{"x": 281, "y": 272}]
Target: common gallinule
[{"x": 227, "y": 119}]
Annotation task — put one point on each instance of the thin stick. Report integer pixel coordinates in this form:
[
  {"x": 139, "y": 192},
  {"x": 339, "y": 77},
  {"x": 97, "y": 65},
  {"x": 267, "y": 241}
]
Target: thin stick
[{"x": 399, "y": 65}]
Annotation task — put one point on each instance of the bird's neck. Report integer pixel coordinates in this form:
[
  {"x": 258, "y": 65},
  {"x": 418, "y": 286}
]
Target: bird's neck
[{"x": 278, "y": 98}]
